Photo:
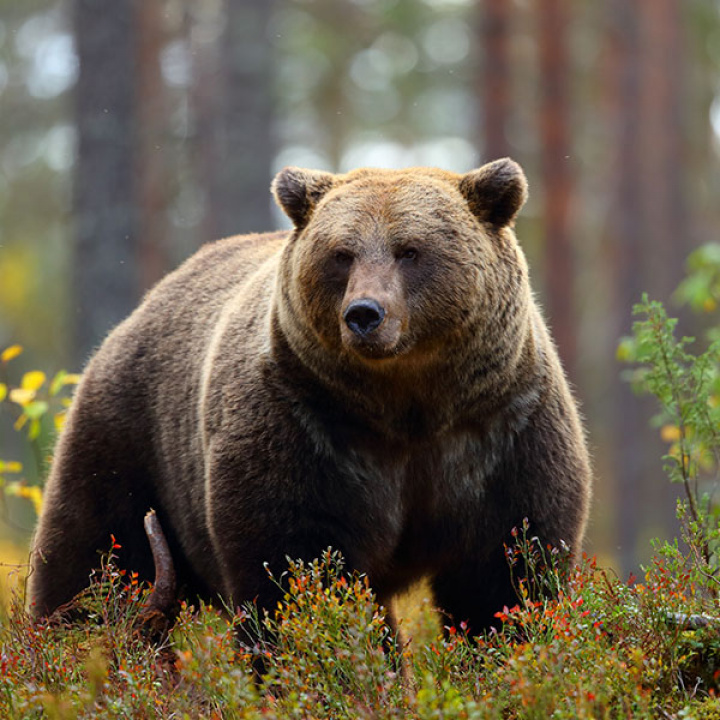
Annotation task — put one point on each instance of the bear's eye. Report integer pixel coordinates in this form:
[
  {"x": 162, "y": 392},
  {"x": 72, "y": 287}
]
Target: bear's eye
[
  {"x": 408, "y": 254},
  {"x": 343, "y": 258}
]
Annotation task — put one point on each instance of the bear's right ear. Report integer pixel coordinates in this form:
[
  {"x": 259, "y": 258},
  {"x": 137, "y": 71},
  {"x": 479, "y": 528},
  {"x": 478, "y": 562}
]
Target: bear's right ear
[
  {"x": 298, "y": 191},
  {"x": 496, "y": 191}
]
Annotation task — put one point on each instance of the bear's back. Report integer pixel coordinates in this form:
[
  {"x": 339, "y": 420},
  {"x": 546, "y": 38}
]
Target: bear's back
[{"x": 148, "y": 372}]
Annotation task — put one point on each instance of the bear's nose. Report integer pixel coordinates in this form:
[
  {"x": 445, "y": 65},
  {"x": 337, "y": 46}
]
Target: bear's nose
[{"x": 363, "y": 316}]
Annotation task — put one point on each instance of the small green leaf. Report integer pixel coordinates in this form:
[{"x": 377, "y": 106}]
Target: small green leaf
[
  {"x": 57, "y": 383},
  {"x": 34, "y": 431},
  {"x": 35, "y": 410}
]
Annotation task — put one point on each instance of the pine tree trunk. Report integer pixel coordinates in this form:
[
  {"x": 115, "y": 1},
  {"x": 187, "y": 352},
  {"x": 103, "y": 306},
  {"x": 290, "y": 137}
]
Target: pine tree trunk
[
  {"x": 105, "y": 279},
  {"x": 494, "y": 78},
  {"x": 555, "y": 142}
]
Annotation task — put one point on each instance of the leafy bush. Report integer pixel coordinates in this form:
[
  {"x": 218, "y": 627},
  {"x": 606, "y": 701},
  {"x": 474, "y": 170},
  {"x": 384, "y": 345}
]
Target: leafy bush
[{"x": 38, "y": 405}]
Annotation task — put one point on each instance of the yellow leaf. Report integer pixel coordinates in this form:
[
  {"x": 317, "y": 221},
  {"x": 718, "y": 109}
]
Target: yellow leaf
[
  {"x": 9, "y": 353},
  {"x": 3, "y": 391},
  {"x": 11, "y": 466},
  {"x": 72, "y": 379},
  {"x": 59, "y": 420},
  {"x": 32, "y": 493},
  {"x": 22, "y": 396},
  {"x": 670, "y": 433},
  {"x": 33, "y": 380},
  {"x": 709, "y": 305},
  {"x": 20, "y": 422}
]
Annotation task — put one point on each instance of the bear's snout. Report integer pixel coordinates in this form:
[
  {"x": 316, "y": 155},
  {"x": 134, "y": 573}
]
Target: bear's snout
[{"x": 363, "y": 316}]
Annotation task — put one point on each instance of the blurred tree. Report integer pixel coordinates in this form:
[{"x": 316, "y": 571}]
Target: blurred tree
[
  {"x": 495, "y": 89},
  {"x": 647, "y": 224},
  {"x": 625, "y": 229},
  {"x": 556, "y": 176},
  {"x": 662, "y": 116},
  {"x": 151, "y": 182},
  {"x": 667, "y": 237},
  {"x": 104, "y": 268},
  {"x": 37, "y": 138},
  {"x": 234, "y": 103}
]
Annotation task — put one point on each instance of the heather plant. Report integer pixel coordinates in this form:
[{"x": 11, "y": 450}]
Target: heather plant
[{"x": 599, "y": 648}]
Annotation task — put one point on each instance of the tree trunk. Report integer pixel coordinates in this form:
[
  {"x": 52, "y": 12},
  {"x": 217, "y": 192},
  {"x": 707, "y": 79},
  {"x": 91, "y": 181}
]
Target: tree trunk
[
  {"x": 663, "y": 152},
  {"x": 232, "y": 100},
  {"x": 495, "y": 82},
  {"x": 665, "y": 242},
  {"x": 557, "y": 177},
  {"x": 150, "y": 165},
  {"x": 245, "y": 128},
  {"x": 626, "y": 229},
  {"x": 105, "y": 270}
]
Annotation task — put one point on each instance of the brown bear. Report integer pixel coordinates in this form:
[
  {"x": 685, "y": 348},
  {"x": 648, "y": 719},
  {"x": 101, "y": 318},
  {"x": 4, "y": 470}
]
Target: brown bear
[{"x": 378, "y": 380}]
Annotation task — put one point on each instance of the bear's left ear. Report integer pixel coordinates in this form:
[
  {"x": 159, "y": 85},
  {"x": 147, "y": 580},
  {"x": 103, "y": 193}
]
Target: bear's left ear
[
  {"x": 298, "y": 191},
  {"x": 496, "y": 191}
]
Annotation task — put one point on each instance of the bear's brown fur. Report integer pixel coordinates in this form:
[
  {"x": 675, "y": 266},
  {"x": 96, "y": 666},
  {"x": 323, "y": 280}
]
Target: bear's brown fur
[{"x": 378, "y": 380}]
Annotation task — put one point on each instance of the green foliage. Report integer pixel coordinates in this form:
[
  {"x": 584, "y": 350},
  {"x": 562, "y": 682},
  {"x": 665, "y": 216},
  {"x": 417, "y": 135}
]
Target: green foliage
[
  {"x": 686, "y": 384},
  {"x": 602, "y": 648},
  {"x": 38, "y": 406},
  {"x": 330, "y": 644}
]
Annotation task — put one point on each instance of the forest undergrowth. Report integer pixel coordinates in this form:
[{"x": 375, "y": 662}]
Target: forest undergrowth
[{"x": 580, "y": 642}]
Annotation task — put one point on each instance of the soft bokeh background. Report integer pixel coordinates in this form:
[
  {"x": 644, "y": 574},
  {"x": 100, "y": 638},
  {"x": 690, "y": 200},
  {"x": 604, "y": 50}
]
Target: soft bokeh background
[{"x": 131, "y": 132}]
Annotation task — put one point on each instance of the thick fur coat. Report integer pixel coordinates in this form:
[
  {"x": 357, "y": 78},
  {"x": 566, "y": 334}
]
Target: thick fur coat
[{"x": 378, "y": 380}]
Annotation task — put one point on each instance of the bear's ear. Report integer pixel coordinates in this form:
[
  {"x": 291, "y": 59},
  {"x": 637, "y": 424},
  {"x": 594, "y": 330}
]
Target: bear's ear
[
  {"x": 298, "y": 191},
  {"x": 496, "y": 191}
]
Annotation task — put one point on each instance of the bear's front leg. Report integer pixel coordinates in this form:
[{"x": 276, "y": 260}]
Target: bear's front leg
[
  {"x": 264, "y": 508},
  {"x": 544, "y": 477},
  {"x": 473, "y": 592}
]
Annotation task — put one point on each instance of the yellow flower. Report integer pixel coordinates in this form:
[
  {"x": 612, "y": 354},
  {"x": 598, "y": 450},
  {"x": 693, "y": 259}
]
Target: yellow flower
[
  {"x": 59, "y": 420},
  {"x": 9, "y": 353},
  {"x": 30, "y": 492},
  {"x": 670, "y": 433},
  {"x": 22, "y": 396},
  {"x": 32, "y": 380}
]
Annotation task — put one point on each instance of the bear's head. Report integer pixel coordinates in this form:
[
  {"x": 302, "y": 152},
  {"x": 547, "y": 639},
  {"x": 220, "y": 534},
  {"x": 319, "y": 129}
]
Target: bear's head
[{"x": 384, "y": 264}]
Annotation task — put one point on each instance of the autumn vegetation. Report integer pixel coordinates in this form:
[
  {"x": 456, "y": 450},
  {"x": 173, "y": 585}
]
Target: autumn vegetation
[{"x": 580, "y": 642}]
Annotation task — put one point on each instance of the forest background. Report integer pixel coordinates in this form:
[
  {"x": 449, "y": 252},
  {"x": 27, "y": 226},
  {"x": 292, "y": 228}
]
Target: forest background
[{"x": 132, "y": 132}]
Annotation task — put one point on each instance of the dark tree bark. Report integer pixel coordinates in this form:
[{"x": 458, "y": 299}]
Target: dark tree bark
[
  {"x": 665, "y": 239},
  {"x": 494, "y": 78},
  {"x": 555, "y": 143},
  {"x": 105, "y": 280},
  {"x": 665, "y": 242},
  {"x": 648, "y": 234},
  {"x": 236, "y": 139},
  {"x": 247, "y": 140},
  {"x": 626, "y": 229},
  {"x": 151, "y": 190}
]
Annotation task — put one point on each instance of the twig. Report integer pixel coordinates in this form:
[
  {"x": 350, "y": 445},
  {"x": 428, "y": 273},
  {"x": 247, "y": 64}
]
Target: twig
[
  {"x": 159, "y": 612},
  {"x": 162, "y": 595},
  {"x": 684, "y": 621}
]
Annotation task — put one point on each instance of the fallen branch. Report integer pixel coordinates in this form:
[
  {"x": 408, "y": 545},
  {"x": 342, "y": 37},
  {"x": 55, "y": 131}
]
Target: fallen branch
[
  {"x": 692, "y": 622},
  {"x": 159, "y": 610}
]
